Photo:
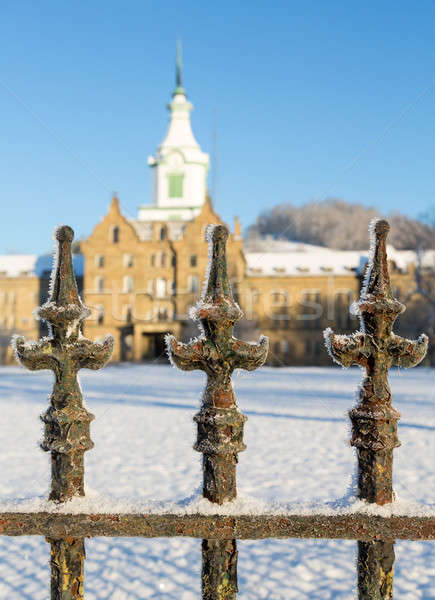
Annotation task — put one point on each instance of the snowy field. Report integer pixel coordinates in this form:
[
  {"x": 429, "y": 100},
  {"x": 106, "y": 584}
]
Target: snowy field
[{"x": 297, "y": 436}]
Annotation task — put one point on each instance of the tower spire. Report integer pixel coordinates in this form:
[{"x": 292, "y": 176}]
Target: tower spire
[{"x": 179, "y": 63}]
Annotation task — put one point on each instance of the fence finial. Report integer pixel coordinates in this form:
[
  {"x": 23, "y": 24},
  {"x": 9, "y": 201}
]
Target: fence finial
[
  {"x": 65, "y": 352},
  {"x": 220, "y": 423},
  {"x": 374, "y": 420},
  {"x": 216, "y": 351}
]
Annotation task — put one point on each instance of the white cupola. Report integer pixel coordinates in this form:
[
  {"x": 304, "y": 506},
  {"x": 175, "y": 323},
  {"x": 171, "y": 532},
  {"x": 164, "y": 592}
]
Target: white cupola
[{"x": 179, "y": 168}]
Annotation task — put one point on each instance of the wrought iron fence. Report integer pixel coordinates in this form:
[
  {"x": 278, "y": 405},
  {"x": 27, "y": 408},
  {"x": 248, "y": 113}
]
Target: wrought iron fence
[{"x": 220, "y": 432}]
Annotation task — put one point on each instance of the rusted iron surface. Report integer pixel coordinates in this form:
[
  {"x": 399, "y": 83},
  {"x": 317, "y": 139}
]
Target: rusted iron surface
[
  {"x": 67, "y": 422},
  {"x": 376, "y": 348},
  {"x": 218, "y": 353},
  {"x": 67, "y": 560},
  {"x": 219, "y": 569},
  {"x": 354, "y": 526},
  {"x": 65, "y": 352},
  {"x": 375, "y": 570},
  {"x": 374, "y": 420},
  {"x": 220, "y": 423}
]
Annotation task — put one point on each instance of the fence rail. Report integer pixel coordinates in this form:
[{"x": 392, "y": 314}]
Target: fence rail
[
  {"x": 353, "y": 526},
  {"x": 220, "y": 433}
]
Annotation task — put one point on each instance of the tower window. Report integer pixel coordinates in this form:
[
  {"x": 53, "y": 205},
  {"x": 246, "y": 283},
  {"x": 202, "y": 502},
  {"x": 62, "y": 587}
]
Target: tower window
[
  {"x": 175, "y": 186},
  {"x": 193, "y": 260},
  {"x": 99, "y": 260}
]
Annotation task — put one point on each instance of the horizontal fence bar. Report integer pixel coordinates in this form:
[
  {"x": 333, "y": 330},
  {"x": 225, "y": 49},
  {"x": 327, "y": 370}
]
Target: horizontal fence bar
[{"x": 356, "y": 526}]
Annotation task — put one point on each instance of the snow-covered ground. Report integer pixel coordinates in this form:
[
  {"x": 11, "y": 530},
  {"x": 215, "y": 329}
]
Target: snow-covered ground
[{"x": 297, "y": 436}]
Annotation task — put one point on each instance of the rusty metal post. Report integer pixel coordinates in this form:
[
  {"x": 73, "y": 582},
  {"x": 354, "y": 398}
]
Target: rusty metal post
[
  {"x": 374, "y": 420},
  {"x": 220, "y": 423},
  {"x": 66, "y": 421}
]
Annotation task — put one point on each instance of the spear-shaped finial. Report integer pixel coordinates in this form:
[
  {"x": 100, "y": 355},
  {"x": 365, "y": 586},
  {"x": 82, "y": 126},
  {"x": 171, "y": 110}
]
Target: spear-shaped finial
[
  {"x": 64, "y": 310},
  {"x": 216, "y": 351},
  {"x": 377, "y": 281},
  {"x": 374, "y": 420},
  {"x": 64, "y": 352}
]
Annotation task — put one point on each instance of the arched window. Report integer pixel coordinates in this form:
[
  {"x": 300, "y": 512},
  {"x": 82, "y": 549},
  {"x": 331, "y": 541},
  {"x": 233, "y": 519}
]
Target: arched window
[
  {"x": 127, "y": 284},
  {"x": 99, "y": 284},
  {"x": 160, "y": 287},
  {"x": 163, "y": 259},
  {"x": 162, "y": 233},
  {"x": 114, "y": 237}
]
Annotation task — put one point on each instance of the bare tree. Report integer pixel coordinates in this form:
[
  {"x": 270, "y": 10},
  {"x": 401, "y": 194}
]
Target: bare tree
[{"x": 342, "y": 225}]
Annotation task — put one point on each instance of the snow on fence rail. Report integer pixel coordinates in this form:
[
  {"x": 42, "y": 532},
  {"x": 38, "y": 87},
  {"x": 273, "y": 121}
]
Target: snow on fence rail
[{"x": 67, "y": 518}]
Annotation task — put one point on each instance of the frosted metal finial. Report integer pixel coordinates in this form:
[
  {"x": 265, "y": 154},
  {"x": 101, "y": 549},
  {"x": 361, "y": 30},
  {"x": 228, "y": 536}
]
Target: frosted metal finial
[
  {"x": 374, "y": 420},
  {"x": 218, "y": 353},
  {"x": 65, "y": 352}
]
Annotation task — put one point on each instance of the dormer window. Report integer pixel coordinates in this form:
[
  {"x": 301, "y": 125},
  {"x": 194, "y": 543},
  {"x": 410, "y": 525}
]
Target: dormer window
[{"x": 175, "y": 184}]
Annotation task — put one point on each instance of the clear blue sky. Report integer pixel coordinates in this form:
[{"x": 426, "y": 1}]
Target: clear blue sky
[{"x": 311, "y": 99}]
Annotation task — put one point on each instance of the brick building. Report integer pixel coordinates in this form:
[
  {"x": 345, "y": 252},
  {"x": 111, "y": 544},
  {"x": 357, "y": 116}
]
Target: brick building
[{"x": 141, "y": 276}]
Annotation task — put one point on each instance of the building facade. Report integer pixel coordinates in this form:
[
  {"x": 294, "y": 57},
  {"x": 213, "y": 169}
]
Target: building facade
[{"x": 141, "y": 276}]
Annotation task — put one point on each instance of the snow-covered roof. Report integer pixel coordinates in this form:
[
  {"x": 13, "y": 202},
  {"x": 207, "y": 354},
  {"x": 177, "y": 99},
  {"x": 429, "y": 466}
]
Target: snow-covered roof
[
  {"x": 15, "y": 265},
  {"x": 22, "y": 265},
  {"x": 292, "y": 258}
]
